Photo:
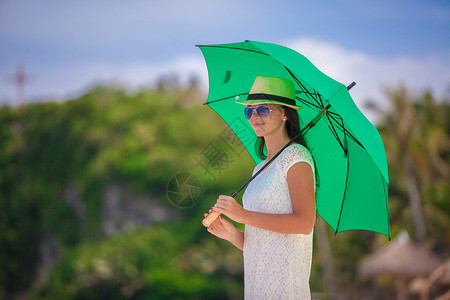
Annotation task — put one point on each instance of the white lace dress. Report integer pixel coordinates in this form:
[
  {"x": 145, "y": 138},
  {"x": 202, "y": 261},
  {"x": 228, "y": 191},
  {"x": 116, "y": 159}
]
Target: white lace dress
[{"x": 276, "y": 265}]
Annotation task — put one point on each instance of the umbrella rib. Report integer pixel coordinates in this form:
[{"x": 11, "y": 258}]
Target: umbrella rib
[
  {"x": 333, "y": 130},
  {"x": 306, "y": 92},
  {"x": 310, "y": 104},
  {"x": 345, "y": 131},
  {"x": 345, "y": 186},
  {"x": 387, "y": 207},
  {"x": 304, "y": 89},
  {"x": 319, "y": 104},
  {"x": 320, "y": 98},
  {"x": 334, "y": 114},
  {"x": 343, "y": 198},
  {"x": 222, "y": 99},
  {"x": 232, "y": 48}
]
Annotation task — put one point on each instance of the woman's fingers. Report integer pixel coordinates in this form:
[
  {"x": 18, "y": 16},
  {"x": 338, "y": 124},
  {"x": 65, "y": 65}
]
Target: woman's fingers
[
  {"x": 222, "y": 201},
  {"x": 209, "y": 211}
]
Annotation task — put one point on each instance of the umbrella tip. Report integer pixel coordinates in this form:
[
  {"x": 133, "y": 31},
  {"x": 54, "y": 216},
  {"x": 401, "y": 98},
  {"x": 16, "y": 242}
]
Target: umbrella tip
[{"x": 351, "y": 85}]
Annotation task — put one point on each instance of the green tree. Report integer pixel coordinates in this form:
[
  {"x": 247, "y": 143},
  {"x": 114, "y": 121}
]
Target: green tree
[{"x": 415, "y": 131}]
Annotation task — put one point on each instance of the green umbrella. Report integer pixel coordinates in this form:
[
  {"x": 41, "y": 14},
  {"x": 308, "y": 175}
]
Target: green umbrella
[{"x": 352, "y": 175}]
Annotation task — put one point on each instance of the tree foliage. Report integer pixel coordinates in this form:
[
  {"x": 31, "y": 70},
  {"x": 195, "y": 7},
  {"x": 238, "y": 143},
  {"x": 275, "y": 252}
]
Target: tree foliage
[{"x": 140, "y": 140}]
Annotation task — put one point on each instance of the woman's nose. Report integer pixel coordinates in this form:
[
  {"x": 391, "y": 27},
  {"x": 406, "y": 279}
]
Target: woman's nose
[{"x": 254, "y": 114}]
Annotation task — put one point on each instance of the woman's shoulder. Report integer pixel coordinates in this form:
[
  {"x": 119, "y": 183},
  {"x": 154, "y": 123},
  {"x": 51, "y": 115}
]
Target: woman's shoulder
[
  {"x": 297, "y": 152},
  {"x": 297, "y": 149}
]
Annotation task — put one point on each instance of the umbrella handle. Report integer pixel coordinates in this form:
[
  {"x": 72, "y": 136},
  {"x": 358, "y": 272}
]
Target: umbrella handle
[
  {"x": 210, "y": 218},
  {"x": 215, "y": 214}
]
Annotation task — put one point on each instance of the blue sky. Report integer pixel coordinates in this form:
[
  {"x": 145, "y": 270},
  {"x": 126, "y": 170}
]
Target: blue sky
[{"x": 68, "y": 46}]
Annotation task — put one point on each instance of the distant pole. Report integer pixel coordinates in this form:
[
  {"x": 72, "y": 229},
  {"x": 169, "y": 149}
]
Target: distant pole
[{"x": 20, "y": 80}]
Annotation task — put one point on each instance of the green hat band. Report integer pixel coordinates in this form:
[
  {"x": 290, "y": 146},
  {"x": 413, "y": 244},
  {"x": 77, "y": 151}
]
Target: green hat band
[{"x": 262, "y": 96}]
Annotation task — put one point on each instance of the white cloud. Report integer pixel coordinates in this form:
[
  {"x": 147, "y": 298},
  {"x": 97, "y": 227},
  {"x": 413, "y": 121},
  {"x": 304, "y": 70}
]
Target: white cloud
[{"x": 373, "y": 74}]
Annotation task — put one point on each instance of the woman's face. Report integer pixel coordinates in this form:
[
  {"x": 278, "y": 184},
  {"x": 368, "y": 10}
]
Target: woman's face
[{"x": 268, "y": 126}]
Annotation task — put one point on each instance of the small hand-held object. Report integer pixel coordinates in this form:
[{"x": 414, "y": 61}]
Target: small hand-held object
[
  {"x": 215, "y": 214},
  {"x": 210, "y": 218}
]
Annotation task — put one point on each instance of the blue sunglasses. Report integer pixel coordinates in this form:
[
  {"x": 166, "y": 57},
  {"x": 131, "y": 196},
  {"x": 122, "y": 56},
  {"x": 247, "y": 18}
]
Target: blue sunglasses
[{"x": 261, "y": 111}]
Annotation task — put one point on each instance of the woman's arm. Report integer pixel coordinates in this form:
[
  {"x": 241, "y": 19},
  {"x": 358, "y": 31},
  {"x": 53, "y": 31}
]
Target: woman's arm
[
  {"x": 237, "y": 239},
  {"x": 225, "y": 230},
  {"x": 300, "y": 181}
]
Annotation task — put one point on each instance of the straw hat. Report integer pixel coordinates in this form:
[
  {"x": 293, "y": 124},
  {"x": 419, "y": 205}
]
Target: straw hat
[{"x": 272, "y": 90}]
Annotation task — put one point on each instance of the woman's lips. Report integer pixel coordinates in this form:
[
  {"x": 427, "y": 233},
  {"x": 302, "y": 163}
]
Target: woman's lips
[{"x": 257, "y": 124}]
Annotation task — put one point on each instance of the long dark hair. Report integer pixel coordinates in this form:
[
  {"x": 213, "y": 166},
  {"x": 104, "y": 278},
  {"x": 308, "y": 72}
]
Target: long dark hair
[{"x": 292, "y": 128}]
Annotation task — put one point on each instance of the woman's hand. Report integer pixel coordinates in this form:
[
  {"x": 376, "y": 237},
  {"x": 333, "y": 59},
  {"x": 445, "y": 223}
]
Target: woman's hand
[
  {"x": 228, "y": 206},
  {"x": 221, "y": 228},
  {"x": 225, "y": 230}
]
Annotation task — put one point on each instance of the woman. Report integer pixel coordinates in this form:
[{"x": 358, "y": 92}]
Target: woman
[{"x": 279, "y": 207}]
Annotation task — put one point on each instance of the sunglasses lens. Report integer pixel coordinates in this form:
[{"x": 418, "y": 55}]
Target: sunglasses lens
[
  {"x": 263, "y": 111},
  {"x": 248, "y": 111}
]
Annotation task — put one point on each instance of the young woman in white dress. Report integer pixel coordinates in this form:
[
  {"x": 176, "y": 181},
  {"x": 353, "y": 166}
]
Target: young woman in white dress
[{"x": 279, "y": 208}]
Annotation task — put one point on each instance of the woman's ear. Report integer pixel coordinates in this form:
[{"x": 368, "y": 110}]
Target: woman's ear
[{"x": 283, "y": 115}]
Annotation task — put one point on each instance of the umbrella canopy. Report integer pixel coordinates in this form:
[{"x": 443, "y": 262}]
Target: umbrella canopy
[{"x": 349, "y": 155}]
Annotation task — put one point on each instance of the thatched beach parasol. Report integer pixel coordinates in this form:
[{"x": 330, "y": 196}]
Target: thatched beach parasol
[{"x": 401, "y": 259}]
